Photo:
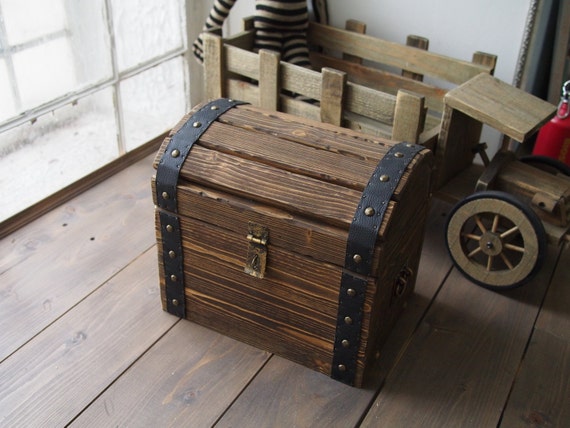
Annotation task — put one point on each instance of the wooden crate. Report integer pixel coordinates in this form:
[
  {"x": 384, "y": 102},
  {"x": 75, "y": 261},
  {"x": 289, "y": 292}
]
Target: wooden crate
[
  {"x": 232, "y": 70},
  {"x": 390, "y": 67},
  {"x": 298, "y": 237},
  {"x": 365, "y": 83}
]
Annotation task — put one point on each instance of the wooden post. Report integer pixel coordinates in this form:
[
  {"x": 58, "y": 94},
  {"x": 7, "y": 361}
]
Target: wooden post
[
  {"x": 332, "y": 96},
  {"x": 409, "y": 117},
  {"x": 485, "y": 59},
  {"x": 420, "y": 43},
  {"x": 356, "y": 27},
  {"x": 213, "y": 66},
  {"x": 269, "y": 86}
]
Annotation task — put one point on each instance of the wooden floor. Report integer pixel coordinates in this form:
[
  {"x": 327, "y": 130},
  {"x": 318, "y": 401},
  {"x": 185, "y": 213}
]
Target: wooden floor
[{"x": 84, "y": 341}]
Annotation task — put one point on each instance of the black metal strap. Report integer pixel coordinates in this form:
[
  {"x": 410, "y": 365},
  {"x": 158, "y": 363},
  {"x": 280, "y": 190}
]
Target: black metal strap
[
  {"x": 167, "y": 174},
  {"x": 361, "y": 242}
]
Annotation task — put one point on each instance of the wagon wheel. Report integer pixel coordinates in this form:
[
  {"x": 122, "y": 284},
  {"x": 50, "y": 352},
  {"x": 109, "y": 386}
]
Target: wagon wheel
[
  {"x": 550, "y": 165},
  {"x": 495, "y": 240}
]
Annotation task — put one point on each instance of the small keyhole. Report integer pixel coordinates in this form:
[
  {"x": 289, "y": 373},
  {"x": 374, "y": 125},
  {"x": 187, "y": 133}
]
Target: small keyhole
[{"x": 255, "y": 262}]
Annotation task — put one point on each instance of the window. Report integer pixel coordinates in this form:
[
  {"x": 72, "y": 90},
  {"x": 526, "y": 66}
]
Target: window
[{"x": 82, "y": 82}]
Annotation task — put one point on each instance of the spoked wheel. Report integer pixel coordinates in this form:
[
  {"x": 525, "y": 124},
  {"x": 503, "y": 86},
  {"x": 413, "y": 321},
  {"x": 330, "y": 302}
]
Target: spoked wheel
[{"x": 495, "y": 240}]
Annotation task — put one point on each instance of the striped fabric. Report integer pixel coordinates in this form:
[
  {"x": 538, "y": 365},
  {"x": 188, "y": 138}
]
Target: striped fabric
[{"x": 280, "y": 26}]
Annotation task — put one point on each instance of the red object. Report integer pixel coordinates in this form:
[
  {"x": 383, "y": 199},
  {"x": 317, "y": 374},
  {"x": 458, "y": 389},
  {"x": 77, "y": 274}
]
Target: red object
[{"x": 554, "y": 137}]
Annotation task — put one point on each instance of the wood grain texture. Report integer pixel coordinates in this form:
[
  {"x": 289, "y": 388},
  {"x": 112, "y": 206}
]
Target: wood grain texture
[
  {"x": 58, "y": 373},
  {"x": 286, "y": 394},
  {"x": 461, "y": 363},
  {"x": 269, "y": 87},
  {"x": 357, "y": 27},
  {"x": 407, "y": 124},
  {"x": 191, "y": 376},
  {"x": 214, "y": 63},
  {"x": 417, "y": 42},
  {"x": 293, "y": 310},
  {"x": 394, "y": 54},
  {"x": 509, "y": 110},
  {"x": 543, "y": 401},
  {"x": 239, "y": 73},
  {"x": 70, "y": 252},
  {"x": 332, "y": 96}
]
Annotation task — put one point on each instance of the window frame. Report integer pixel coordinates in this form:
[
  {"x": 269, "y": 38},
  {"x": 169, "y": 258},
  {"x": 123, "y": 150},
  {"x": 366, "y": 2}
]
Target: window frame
[{"x": 195, "y": 12}]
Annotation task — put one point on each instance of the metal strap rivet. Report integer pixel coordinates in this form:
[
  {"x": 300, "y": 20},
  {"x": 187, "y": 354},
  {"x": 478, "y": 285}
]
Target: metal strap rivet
[
  {"x": 358, "y": 265},
  {"x": 167, "y": 175}
]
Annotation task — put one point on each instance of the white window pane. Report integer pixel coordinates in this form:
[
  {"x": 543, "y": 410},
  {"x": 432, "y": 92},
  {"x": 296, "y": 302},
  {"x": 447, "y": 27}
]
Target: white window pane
[
  {"x": 39, "y": 159},
  {"x": 26, "y": 20},
  {"x": 153, "y": 102},
  {"x": 7, "y": 107},
  {"x": 145, "y": 29},
  {"x": 44, "y": 72},
  {"x": 89, "y": 40}
]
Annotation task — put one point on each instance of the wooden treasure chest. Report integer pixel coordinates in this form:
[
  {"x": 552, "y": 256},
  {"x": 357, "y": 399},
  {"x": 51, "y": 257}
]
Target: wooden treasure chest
[{"x": 297, "y": 237}]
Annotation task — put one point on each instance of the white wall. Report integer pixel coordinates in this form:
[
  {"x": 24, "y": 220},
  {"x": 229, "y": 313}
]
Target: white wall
[{"x": 456, "y": 28}]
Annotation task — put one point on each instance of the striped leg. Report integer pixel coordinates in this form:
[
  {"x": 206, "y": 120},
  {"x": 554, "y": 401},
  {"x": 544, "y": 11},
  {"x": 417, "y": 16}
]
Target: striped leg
[
  {"x": 218, "y": 14},
  {"x": 295, "y": 49}
]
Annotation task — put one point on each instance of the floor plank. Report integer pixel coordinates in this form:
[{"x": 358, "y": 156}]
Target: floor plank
[
  {"x": 460, "y": 365},
  {"x": 58, "y": 373},
  {"x": 83, "y": 339},
  {"x": 287, "y": 394},
  {"x": 191, "y": 375},
  {"x": 51, "y": 264},
  {"x": 541, "y": 394}
]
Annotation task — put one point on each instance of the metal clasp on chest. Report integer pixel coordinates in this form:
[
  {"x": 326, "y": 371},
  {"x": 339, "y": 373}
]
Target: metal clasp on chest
[{"x": 256, "y": 259}]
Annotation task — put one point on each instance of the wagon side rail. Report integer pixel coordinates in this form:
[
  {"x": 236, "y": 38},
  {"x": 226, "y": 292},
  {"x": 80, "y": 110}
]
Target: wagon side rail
[{"x": 233, "y": 70}]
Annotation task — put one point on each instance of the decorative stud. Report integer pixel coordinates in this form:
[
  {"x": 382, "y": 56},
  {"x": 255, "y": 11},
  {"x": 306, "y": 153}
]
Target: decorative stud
[
  {"x": 384, "y": 178},
  {"x": 345, "y": 343},
  {"x": 399, "y": 154},
  {"x": 197, "y": 124},
  {"x": 357, "y": 258},
  {"x": 165, "y": 195},
  {"x": 173, "y": 278},
  {"x": 169, "y": 228},
  {"x": 172, "y": 254},
  {"x": 351, "y": 292},
  {"x": 175, "y": 302},
  {"x": 347, "y": 320},
  {"x": 175, "y": 153},
  {"x": 369, "y": 211},
  {"x": 214, "y": 108},
  {"x": 341, "y": 368}
]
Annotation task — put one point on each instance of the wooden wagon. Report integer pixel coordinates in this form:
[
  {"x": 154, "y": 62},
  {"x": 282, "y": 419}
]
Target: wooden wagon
[{"x": 526, "y": 207}]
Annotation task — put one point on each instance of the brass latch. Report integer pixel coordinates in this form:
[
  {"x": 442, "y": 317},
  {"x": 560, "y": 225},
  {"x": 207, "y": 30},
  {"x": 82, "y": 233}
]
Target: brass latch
[{"x": 256, "y": 261}]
